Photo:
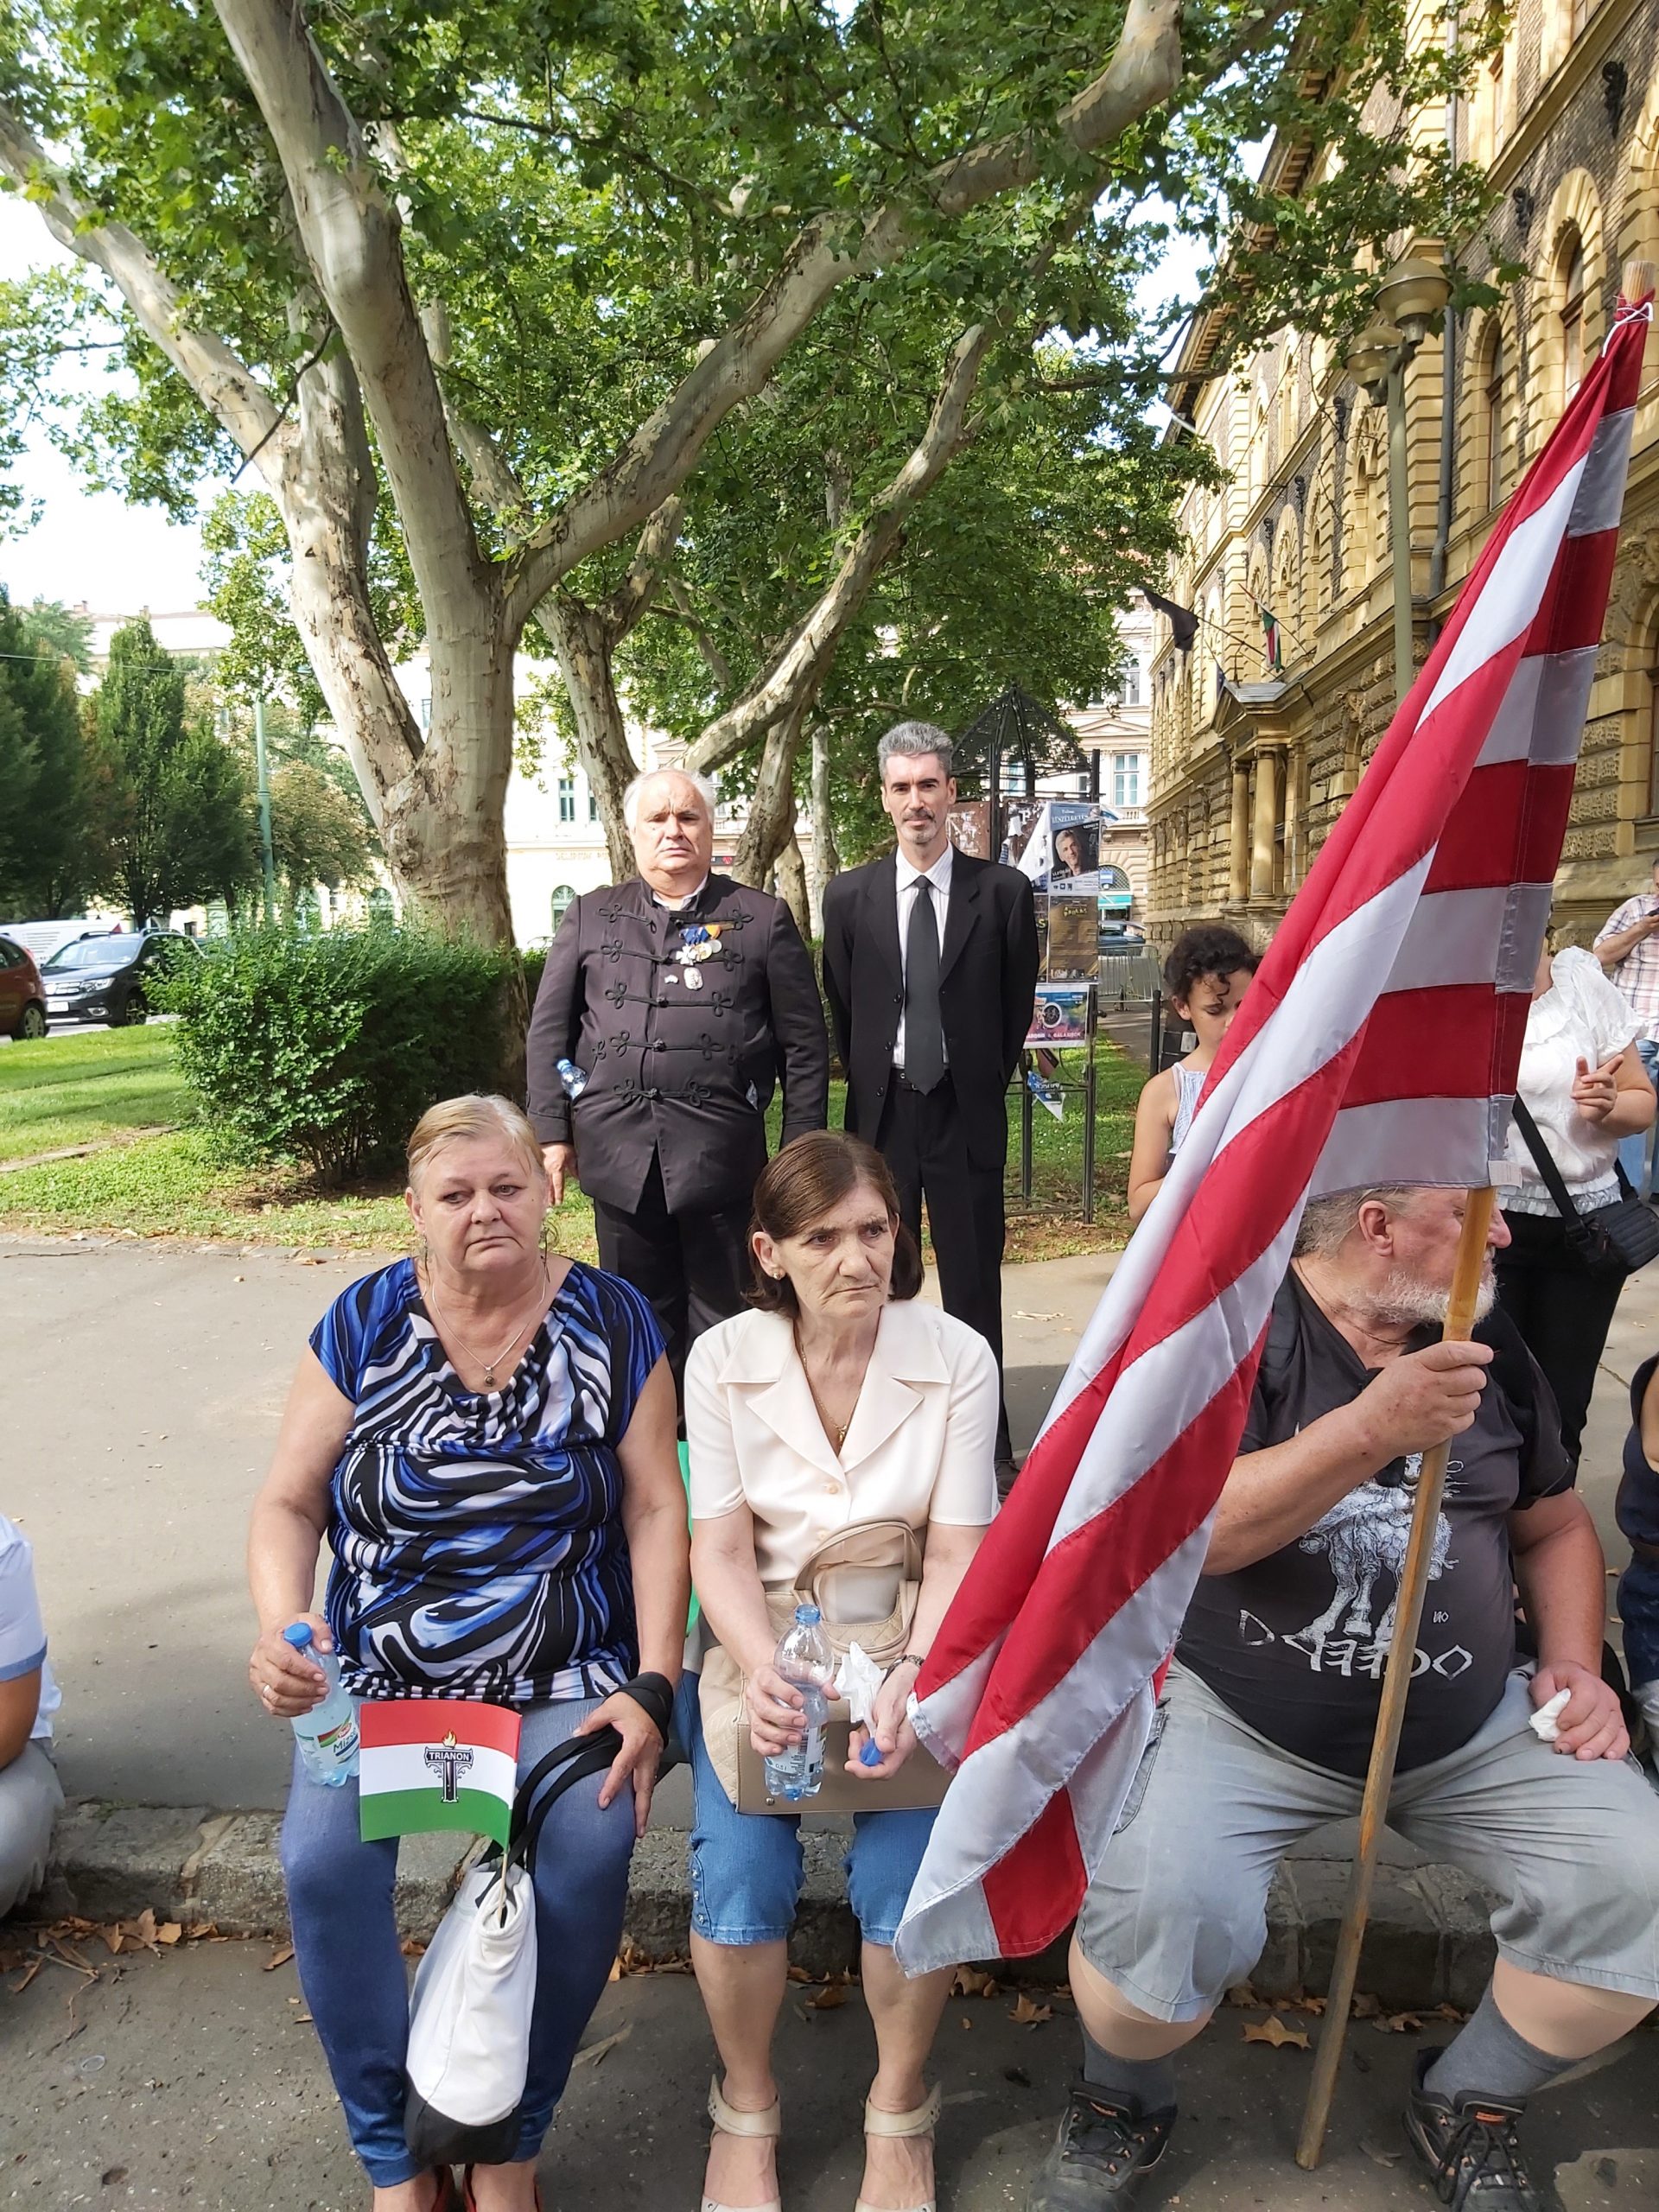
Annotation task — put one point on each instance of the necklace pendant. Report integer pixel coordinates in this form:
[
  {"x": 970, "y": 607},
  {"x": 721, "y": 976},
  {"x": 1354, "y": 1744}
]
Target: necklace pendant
[{"x": 489, "y": 1378}]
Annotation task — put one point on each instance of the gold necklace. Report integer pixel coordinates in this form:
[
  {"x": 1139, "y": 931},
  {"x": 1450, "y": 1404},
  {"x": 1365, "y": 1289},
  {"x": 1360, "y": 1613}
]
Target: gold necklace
[
  {"x": 829, "y": 1428},
  {"x": 477, "y": 1359}
]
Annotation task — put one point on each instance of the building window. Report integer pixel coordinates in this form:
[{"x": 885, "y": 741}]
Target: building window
[
  {"x": 1573, "y": 324},
  {"x": 1126, "y": 779},
  {"x": 1132, "y": 684},
  {"x": 562, "y": 898},
  {"x": 426, "y": 712},
  {"x": 567, "y": 798},
  {"x": 593, "y": 807},
  {"x": 1492, "y": 406}
]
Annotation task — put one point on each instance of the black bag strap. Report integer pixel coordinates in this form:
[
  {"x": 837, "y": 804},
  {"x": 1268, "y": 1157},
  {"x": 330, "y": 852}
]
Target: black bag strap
[
  {"x": 567, "y": 1764},
  {"x": 1549, "y": 1173}
]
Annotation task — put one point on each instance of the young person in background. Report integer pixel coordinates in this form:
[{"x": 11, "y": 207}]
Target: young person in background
[{"x": 1205, "y": 978}]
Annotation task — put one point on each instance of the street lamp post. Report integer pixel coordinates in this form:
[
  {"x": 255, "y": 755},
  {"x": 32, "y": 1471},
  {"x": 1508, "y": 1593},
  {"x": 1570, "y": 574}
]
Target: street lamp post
[{"x": 1408, "y": 301}]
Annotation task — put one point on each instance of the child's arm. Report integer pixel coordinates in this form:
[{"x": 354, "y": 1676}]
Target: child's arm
[{"x": 1155, "y": 1117}]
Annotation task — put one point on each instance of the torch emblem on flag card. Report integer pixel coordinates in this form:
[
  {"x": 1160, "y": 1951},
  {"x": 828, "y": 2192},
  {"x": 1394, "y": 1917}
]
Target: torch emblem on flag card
[{"x": 436, "y": 1762}]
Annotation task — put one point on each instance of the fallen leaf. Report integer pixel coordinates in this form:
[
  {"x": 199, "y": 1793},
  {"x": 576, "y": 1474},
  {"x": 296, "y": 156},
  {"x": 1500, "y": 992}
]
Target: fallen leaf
[
  {"x": 595, "y": 2054},
  {"x": 1273, "y": 2031},
  {"x": 168, "y": 1932},
  {"x": 966, "y": 2022},
  {"x": 1399, "y": 2024},
  {"x": 1028, "y": 2014},
  {"x": 1241, "y": 1993},
  {"x": 114, "y": 1935},
  {"x": 141, "y": 1930},
  {"x": 615, "y": 1973},
  {"x": 1365, "y": 2006},
  {"x": 969, "y": 1981},
  {"x": 30, "y": 1973},
  {"x": 412, "y": 1947},
  {"x": 279, "y": 1957},
  {"x": 827, "y": 2000}
]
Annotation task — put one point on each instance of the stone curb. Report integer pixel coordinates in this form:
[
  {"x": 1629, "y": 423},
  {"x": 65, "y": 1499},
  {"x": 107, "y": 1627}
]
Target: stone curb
[{"x": 1428, "y": 1941}]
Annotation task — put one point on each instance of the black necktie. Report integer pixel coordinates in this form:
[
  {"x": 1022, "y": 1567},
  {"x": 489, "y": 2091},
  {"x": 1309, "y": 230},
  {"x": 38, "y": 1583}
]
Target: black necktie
[{"x": 924, "y": 1031}]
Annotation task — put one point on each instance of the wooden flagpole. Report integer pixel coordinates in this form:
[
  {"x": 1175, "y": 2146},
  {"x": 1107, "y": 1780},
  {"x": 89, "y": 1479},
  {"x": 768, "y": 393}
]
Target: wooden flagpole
[{"x": 1396, "y": 1681}]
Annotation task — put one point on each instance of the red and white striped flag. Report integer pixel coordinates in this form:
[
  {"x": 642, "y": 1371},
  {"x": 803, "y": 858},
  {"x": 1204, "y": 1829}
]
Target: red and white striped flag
[{"x": 1378, "y": 1044}]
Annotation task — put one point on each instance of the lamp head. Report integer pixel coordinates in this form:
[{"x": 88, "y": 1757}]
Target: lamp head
[
  {"x": 1413, "y": 295},
  {"x": 1370, "y": 355}
]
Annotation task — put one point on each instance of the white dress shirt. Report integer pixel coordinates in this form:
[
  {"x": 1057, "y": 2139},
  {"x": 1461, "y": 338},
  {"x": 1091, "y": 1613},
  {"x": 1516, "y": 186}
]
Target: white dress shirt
[{"x": 908, "y": 877}]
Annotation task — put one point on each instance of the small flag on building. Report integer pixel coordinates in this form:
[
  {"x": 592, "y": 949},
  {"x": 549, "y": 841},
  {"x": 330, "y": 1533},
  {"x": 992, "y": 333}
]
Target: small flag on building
[
  {"x": 436, "y": 1762},
  {"x": 1273, "y": 648}
]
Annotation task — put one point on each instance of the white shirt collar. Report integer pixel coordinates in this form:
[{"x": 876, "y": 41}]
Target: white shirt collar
[{"x": 938, "y": 875}]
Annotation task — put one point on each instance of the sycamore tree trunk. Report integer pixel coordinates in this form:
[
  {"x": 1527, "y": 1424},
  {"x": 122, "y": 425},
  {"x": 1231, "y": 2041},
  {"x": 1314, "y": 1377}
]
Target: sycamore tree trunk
[
  {"x": 770, "y": 825},
  {"x": 826, "y": 860},
  {"x": 584, "y": 643},
  {"x": 791, "y": 885}
]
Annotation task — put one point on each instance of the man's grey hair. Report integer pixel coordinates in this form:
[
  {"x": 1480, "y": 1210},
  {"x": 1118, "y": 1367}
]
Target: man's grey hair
[
  {"x": 909, "y": 741},
  {"x": 1328, "y": 1222},
  {"x": 703, "y": 785}
]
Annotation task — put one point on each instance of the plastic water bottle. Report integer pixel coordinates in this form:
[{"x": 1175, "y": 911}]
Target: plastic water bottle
[
  {"x": 803, "y": 1658},
  {"x": 327, "y": 1735},
  {"x": 573, "y": 1078}
]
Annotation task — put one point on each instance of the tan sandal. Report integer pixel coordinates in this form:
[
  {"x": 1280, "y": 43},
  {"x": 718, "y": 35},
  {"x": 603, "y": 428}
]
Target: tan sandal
[
  {"x": 730, "y": 2121},
  {"x": 922, "y": 2121}
]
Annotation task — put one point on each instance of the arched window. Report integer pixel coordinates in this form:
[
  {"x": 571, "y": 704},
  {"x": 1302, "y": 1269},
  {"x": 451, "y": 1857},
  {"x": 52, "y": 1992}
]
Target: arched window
[
  {"x": 1492, "y": 402},
  {"x": 1572, "y": 320},
  {"x": 561, "y": 897}
]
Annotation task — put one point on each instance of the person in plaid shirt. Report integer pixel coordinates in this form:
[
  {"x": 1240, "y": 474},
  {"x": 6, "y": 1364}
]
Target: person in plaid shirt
[{"x": 1628, "y": 948}]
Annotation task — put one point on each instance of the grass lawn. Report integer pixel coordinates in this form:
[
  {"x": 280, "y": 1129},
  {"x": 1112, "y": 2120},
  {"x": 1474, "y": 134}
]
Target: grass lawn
[
  {"x": 76, "y": 1089},
  {"x": 98, "y": 1088}
]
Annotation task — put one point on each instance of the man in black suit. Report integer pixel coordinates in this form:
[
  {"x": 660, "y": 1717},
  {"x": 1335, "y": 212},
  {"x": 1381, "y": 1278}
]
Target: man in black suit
[
  {"x": 930, "y": 965},
  {"x": 681, "y": 1000}
]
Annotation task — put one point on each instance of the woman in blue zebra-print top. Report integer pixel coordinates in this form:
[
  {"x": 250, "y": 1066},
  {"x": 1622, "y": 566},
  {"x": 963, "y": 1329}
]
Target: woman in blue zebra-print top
[{"x": 507, "y": 1522}]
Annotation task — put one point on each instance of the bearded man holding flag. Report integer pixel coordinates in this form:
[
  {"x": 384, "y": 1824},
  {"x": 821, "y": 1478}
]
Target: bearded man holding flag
[{"x": 1243, "y": 1467}]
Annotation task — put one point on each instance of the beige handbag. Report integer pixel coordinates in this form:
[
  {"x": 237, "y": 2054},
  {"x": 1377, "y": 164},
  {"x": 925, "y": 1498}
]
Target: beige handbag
[{"x": 867, "y": 1546}]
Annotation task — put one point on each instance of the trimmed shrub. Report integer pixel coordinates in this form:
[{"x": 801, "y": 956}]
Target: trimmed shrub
[
  {"x": 329, "y": 1048},
  {"x": 534, "y": 960}
]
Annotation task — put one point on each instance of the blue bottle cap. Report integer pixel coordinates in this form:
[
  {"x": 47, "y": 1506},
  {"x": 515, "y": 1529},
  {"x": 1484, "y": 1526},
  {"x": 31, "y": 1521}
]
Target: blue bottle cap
[
  {"x": 808, "y": 1616},
  {"x": 298, "y": 1633}
]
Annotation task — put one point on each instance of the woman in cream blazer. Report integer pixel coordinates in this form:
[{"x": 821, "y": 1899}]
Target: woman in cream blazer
[{"x": 840, "y": 1401}]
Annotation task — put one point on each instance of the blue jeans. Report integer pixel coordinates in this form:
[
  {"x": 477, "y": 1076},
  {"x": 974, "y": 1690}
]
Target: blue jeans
[
  {"x": 346, "y": 1943},
  {"x": 746, "y": 1867},
  {"x": 1633, "y": 1151}
]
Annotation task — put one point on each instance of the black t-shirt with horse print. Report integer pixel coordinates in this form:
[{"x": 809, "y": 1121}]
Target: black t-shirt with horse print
[{"x": 1296, "y": 1644}]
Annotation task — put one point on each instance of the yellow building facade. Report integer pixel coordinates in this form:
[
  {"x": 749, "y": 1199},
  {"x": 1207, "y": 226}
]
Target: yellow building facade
[{"x": 1250, "y": 764}]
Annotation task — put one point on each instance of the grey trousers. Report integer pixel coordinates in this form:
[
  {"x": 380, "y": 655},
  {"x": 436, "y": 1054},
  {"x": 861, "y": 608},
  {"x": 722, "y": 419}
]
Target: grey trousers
[
  {"x": 1177, "y": 1911},
  {"x": 30, "y": 1796}
]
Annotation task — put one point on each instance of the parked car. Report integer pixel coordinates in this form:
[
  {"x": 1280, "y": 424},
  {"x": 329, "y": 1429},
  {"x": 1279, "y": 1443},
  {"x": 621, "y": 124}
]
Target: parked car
[
  {"x": 23, "y": 996},
  {"x": 103, "y": 978}
]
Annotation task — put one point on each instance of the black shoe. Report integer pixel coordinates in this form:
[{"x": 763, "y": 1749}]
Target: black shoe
[
  {"x": 1007, "y": 1470},
  {"x": 1106, "y": 2148},
  {"x": 1466, "y": 2145}
]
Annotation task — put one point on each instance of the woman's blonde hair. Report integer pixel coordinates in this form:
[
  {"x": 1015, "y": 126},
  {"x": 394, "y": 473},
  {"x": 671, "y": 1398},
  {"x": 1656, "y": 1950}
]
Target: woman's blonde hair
[{"x": 460, "y": 1121}]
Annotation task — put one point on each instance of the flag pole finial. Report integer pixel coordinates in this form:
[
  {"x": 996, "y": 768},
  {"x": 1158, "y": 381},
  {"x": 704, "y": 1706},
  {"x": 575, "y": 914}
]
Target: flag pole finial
[{"x": 1635, "y": 280}]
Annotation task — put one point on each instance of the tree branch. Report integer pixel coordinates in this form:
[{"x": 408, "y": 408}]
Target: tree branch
[
  {"x": 804, "y": 657},
  {"x": 350, "y": 233},
  {"x": 1145, "y": 68},
  {"x": 224, "y": 384}
]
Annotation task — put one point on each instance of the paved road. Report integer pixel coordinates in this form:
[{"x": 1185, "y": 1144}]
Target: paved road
[
  {"x": 191, "y": 2081},
  {"x": 147, "y": 1381}
]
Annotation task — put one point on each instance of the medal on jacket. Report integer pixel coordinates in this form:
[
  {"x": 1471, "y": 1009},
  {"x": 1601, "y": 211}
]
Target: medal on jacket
[{"x": 698, "y": 943}]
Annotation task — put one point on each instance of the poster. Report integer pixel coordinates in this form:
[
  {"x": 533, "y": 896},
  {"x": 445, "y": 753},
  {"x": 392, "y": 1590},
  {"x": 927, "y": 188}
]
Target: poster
[
  {"x": 1057, "y": 843},
  {"x": 1072, "y": 952},
  {"x": 1060, "y": 1015},
  {"x": 970, "y": 829}
]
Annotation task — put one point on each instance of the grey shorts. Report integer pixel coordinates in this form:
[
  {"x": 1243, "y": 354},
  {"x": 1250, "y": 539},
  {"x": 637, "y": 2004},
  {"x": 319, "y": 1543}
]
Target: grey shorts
[{"x": 1177, "y": 1913}]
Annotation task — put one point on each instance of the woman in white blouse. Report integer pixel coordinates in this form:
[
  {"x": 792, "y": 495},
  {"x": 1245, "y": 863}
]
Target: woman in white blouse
[
  {"x": 840, "y": 1401},
  {"x": 1584, "y": 1084}
]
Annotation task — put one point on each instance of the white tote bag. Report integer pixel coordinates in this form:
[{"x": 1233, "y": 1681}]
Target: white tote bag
[{"x": 469, "y": 2022}]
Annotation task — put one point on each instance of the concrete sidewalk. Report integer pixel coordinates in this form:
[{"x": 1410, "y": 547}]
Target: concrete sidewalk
[{"x": 157, "y": 1375}]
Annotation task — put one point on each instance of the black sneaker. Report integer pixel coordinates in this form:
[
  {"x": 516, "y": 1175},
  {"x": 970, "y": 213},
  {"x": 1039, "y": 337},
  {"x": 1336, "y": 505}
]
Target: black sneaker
[
  {"x": 1106, "y": 2148},
  {"x": 1466, "y": 2145}
]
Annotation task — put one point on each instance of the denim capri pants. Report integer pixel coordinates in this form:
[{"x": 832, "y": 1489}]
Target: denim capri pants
[{"x": 746, "y": 1868}]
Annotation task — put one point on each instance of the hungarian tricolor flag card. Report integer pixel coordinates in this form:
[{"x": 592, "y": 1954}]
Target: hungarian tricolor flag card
[{"x": 436, "y": 1762}]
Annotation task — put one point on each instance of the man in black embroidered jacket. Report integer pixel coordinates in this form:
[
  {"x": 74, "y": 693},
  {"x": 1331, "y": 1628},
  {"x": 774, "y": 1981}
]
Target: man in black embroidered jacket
[{"x": 685, "y": 1000}]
